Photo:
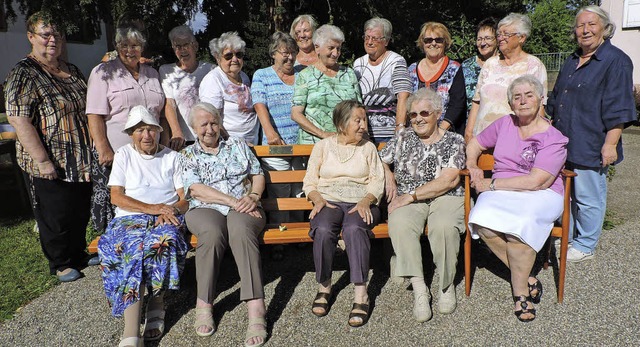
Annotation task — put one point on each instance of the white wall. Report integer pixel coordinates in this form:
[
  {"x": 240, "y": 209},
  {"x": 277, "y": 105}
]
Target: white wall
[
  {"x": 627, "y": 40},
  {"x": 14, "y": 46}
]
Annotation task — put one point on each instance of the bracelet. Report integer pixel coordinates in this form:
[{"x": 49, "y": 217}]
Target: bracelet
[
  {"x": 254, "y": 193},
  {"x": 400, "y": 125},
  {"x": 176, "y": 210}
]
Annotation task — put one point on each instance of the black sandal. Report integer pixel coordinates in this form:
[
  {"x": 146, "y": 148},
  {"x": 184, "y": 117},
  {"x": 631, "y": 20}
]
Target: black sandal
[
  {"x": 536, "y": 286},
  {"x": 364, "y": 317},
  {"x": 524, "y": 305},
  {"x": 323, "y": 305}
]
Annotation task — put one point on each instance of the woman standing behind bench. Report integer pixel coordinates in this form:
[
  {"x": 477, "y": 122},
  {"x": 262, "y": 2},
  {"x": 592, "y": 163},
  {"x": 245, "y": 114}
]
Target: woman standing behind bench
[
  {"x": 143, "y": 246},
  {"x": 344, "y": 181},
  {"x": 224, "y": 182}
]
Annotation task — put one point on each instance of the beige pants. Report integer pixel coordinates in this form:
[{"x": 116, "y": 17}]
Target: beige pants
[
  {"x": 445, "y": 219},
  {"x": 215, "y": 233}
]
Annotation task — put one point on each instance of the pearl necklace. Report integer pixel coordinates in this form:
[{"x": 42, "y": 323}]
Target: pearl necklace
[
  {"x": 143, "y": 155},
  {"x": 349, "y": 156}
]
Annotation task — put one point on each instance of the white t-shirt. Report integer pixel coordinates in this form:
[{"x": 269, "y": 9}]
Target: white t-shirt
[
  {"x": 239, "y": 117},
  {"x": 183, "y": 87},
  {"x": 152, "y": 180}
]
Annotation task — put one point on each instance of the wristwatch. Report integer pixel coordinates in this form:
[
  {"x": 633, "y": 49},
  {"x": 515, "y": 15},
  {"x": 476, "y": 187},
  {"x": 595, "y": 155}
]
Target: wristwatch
[
  {"x": 413, "y": 195},
  {"x": 492, "y": 185}
]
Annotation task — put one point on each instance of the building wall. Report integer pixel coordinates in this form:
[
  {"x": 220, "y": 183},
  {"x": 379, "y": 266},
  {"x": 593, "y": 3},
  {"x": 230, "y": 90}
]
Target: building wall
[
  {"x": 14, "y": 46},
  {"x": 626, "y": 39}
]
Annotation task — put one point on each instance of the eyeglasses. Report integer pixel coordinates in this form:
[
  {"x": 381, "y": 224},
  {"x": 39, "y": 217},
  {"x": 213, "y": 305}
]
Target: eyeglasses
[
  {"x": 486, "y": 38},
  {"x": 500, "y": 35},
  {"x": 286, "y": 54},
  {"x": 423, "y": 114},
  {"x": 179, "y": 47},
  {"x": 48, "y": 36},
  {"x": 126, "y": 47},
  {"x": 230, "y": 55},
  {"x": 373, "y": 38},
  {"x": 428, "y": 40}
]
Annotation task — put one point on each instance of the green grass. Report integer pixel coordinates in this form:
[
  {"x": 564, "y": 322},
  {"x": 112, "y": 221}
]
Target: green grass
[{"x": 23, "y": 268}]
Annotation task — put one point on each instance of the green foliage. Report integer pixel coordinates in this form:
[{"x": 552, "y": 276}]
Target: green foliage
[
  {"x": 552, "y": 25},
  {"x": 23, "y": 268}
]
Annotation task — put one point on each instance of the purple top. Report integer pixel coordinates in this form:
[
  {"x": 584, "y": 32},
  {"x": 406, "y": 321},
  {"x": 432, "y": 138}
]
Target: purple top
[{"x": 516, "y": 157}]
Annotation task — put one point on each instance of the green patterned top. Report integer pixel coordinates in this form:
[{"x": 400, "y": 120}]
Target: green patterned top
[{"x": 319, "y": 94}]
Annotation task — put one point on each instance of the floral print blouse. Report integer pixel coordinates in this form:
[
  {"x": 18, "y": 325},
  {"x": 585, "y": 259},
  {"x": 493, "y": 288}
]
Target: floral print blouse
[
  {"x": 416, "y": 163},
  {"x": 228, "y": 171}
]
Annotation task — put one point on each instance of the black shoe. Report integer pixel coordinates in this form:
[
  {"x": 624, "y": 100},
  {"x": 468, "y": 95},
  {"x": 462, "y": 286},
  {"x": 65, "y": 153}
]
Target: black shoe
[
  {"x": 524, "y": 308},
  {"x": 536, "y": 286}
]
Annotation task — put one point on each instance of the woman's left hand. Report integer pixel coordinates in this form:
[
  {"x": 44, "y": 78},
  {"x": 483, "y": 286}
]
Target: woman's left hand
[
  {"x": 247, "y": 205},
  {"x": 363, "y": 207},
  {"x": 167, "y": 219}
]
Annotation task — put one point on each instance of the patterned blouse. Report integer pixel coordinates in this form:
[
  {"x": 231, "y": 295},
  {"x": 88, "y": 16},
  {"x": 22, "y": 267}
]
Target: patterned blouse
[
  {"x": 319, "y": 94},
  {"x": 416, "y": 163},
  {"x": 471, "y": 70},
  {"x": 56, "y": 107},
  {"x": 450, "y": 85},
  {"x": 228, "y": 171}
]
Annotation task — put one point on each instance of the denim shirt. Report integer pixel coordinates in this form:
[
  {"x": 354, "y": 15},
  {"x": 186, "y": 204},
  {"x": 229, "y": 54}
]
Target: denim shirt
[
  {"x": 228, "y": 171},
  {"x": 591, "y": 100}
]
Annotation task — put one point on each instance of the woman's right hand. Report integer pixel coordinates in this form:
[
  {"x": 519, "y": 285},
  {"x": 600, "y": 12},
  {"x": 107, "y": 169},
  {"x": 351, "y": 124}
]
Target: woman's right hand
[
  {"x": 273, "y": 138},
  {"x": 105, "y": 156},
  {"x": 160, "y": 209},
  {"x": 318, "y": 205},
  {"x": 47, "y": 170}
]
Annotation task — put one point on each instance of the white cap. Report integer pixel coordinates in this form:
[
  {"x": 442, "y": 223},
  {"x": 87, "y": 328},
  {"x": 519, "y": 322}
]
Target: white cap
[{"x": 140, "y": 114}]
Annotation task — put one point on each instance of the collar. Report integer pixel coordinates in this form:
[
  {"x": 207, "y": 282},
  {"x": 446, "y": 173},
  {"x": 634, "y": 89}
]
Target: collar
[
  {"x": 599, "y": 54},
  {"x": 142, "y": 76},
  {"x": 197, "y": 148}
]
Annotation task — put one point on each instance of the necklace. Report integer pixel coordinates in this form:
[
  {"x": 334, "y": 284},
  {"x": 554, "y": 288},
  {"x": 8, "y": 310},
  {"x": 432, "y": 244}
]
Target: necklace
[
  {"x": 349, "y": 155},
  {"x": 54, "y": 69},
  {"x": 143, "y": 155}
]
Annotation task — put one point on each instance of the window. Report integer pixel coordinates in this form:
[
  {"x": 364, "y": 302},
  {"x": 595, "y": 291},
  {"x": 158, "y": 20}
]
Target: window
[{"x": 631, "y": 17}]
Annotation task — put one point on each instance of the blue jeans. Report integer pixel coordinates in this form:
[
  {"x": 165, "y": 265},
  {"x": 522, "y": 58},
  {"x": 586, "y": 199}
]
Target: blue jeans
[{"x": 588, "y": 206}]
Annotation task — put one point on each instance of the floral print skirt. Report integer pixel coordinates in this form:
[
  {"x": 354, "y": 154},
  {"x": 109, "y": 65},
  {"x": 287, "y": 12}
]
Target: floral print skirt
[{"x": 133, "y": 251}]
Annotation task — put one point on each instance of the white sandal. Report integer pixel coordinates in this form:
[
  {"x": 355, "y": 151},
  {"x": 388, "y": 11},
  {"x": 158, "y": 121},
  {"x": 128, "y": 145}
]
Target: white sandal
[
  {"x": 131, "y": 342},
  {"x": 204, "y": 318},
  {"x": 251, "y": 332}
]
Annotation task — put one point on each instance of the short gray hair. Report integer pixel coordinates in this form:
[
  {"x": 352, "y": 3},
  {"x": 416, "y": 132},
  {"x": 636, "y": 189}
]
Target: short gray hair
[
  {"x": 342, "y": 114},
  {"x": 230, "y": 40},
  {"x": 206, "y": 107},
  {"x": 609, "y": 26},
  {"x": 377, "y": 22},
  {"x": 181, "y": 32},
  {"x": 327, "y": 33},
  {"x": 521, "y": 22},
  {"x": 426, "y": 94},
  {"x": 530, "y": 80},
  {"x": 279, "y": 38},
  {"x": 302, "y": 19},
  {"x": 130, "y": 34}
]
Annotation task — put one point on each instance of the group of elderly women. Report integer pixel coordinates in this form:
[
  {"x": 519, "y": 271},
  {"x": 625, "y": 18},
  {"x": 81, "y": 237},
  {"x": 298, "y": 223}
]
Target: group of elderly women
[{"x": 120, "y": 133}]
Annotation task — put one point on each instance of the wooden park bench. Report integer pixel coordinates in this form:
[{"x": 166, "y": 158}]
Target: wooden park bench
[{"x": 291, "y": 232}]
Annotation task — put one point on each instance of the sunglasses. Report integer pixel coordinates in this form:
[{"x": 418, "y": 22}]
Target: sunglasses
[
  {"x": 423, "y": 114},
  {"x": 428, "y": 40},
  {"x": 230, "y": 55}
]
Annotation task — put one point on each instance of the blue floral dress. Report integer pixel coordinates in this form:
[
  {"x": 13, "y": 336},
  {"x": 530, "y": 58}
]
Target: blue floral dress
[{"x": 133, "y": 251}]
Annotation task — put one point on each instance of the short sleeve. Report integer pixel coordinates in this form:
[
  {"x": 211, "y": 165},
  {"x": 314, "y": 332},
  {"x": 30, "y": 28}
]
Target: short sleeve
[
  {"x": 489, "y": 136},
  {"x": 258, "y": 88},
  {"x": 400, "y": 80},
  {"x": 210, "y": 90},
  {"x": 388, "y": 152},
  {"x": 354, "y": 83},
  {"x": 118, "y": 176},
  {"x": 254, "y": 164},
  {"x": 97, "y": 88},
  {"x": 20, "y": 93},
  {"x": 301, "y": 89},
  {"x": 458, "y": 157},
  {"x": 551, "y": 158},
  {"x": 177, "y": 171},
  {"x": 617, "y": 100},
  {"x": 481, "y": 76},
  {"x": 190, "y": 172},
  {"x": 165, "y": 72}
]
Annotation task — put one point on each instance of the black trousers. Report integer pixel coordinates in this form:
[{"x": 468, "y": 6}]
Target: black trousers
[{"x": 62, "y": 211}]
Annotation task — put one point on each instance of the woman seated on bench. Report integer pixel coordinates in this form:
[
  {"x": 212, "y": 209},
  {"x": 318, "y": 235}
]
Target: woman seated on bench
[
  {"x": 143, "y": 245},
  {"x": 425, "y": 189},
  {"x": 519, "y": 204},
  {"x": 344, "y": 181},
  {"x": 224, "y": 182}
]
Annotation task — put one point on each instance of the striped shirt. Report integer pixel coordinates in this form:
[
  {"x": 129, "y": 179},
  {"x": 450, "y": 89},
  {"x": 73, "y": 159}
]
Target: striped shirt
[
  {"x": 380, "y": 86},
  {"x": 56, "y": 108}
]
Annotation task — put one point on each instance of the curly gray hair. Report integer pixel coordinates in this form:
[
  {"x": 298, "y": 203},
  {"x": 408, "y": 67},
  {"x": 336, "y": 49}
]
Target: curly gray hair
[
  {"x": 230, "y": 40},
  {"x": 521, "y": 22},
  {"x": 327, "y": 33}
]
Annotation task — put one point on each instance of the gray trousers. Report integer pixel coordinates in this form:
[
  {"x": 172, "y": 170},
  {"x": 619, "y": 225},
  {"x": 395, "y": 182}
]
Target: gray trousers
[
  {"x": 444, "y": 217},
  {"x": 215, "y": 233},
  {"x": 325, "y": 228}
]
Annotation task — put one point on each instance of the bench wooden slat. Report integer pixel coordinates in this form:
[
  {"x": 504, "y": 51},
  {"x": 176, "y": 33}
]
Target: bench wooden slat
[
  {"x": 283, "y": 151},
  {"x": 286, "y": 204},
  {"x": 295, "y": 176}
]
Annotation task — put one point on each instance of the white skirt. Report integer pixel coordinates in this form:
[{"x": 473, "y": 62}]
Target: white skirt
[{"x": 529, "y": 216}]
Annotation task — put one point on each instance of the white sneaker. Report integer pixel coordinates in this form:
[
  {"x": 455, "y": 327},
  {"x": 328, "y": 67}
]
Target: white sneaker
[
  {"x": 576, "y": 256},
  {"x": 421, "y": 309},
  {"x": 447, "y": 301}
]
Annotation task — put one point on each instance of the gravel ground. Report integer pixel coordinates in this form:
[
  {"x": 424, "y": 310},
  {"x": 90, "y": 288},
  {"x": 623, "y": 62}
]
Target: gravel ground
[{"x": 601, "y": 304}]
